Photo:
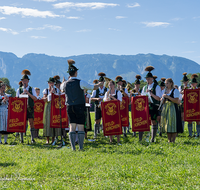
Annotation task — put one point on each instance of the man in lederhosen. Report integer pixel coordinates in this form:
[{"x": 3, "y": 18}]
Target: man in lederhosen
[
  {"x": 155, "y": 92},
  {"x": 75, "y": 100},
  {"x": 181, "y": 89},
  {"x": 30, "y": 91},
  {"x": 97, "y": 97}
]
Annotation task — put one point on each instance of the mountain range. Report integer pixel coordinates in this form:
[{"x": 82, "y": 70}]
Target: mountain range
[{"x": 128, "y": 66}]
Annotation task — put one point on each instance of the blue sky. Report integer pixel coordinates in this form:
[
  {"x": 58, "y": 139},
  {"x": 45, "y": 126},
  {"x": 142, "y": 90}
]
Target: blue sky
[{"x": 128, "y": 27}]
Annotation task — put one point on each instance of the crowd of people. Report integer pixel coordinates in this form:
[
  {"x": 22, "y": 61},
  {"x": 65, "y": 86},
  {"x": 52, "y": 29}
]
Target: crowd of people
[{"x": 165, "y": 105}]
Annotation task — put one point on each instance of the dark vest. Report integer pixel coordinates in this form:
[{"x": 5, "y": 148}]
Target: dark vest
[
  {"x": 74, "y": 93},
  {"x": 30, "y": 100},
  {"x": 154, "y": 92},
  {"x": 99, "y": 94}
]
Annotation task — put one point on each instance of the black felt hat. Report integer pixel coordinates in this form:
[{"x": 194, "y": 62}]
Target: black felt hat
[
  {"x": 51, "y": 79},
  {"x": 57, "y": 79},
  {"x": 138, "y": 78},
  {"x": 149, "y": 69},
  {"x": 71, "y": 68},
  {"x": 162, "y": 83},
  {"x": 102, "y": 75},
  {"x": 25, "y": 74},
  {"x": 194, "y": 78},
  {"x": 118, "y": 79},
  {"x": 185, "y": 79}
]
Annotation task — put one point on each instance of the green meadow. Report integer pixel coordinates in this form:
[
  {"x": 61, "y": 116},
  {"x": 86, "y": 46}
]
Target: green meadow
[{"x": 133, "y": 165}]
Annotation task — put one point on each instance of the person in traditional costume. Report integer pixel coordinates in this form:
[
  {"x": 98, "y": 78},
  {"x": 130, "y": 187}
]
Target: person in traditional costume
[
  {"x": 75, "y": 101},
  {"x": 154, "y": 79},
  {"x": 4, "y": 97},
  {"x": 171, "y": 115},
  {"x": 124, "y": 91},
  {"x": 30, "y": 92},
  {"x": 194, "y": 86},
  {"x": 181, "y": 89},
  {"x": 113, "y": 94},
  {"x": 162, "y": 85},
  {"x": 47, "y": 130},
  {"x": 155, "y": 92},
  {"x": 88, "y": 126},
  {"x": 97, "y": 97}
]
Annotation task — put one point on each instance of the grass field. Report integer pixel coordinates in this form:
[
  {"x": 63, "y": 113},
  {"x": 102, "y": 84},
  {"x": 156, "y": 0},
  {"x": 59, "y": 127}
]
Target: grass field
[{"x": 133, "y": 165}]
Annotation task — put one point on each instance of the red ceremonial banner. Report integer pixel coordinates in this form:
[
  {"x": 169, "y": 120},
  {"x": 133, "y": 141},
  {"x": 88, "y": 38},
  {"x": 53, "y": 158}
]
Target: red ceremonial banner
[
  {"x": 140, "y": 113},
  {"x": 192, "y": 105},
  {"x": 55, "y": 111},
  {"x": 38, "y": 114},
  {"x": 17, "y": 110},
  {"x": 124, "y": 106},
  {"x": 111, "y": 117}
]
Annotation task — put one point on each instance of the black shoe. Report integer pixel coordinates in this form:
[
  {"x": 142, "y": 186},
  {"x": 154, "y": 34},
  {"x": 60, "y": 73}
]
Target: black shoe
[
  {"x": 189, "y": 136},
  {"x": 5, "y": 143},
  {"x": 125, "y": 135},
  {"x": 21, "y": 141},
  {"x": 33, "y": 141},
  {"x": 152, "y": 140},
  {"x": 160, "y": 134}
]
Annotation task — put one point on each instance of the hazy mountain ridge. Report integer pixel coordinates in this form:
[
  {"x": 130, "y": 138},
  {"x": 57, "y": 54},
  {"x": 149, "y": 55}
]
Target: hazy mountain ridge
[{"x": 43, "y": 66}]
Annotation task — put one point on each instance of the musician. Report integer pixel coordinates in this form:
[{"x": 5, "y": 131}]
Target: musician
[
  {"x": 194, "y": 86},
  {"x": 155, "y": 93},
  {"x": 124, "y": 91},
  {"x": 30, "y": 91},
  {"x": 113, "y": 94},
  {"x": 154, "y": 79},
  {"x": 185, "y": 85},
  {"x": 75, "y": 101},
  {"x": 171, "y": 116},
  {"x": 4, "y": 97},
  {"x": 97, "y": 97},
  {"x": 47, "y": 130}
]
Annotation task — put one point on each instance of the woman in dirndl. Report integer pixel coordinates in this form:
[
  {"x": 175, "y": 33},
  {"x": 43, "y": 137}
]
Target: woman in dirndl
[
  {"x": 3, "y": 112},
  {"x": 171, "y": 115}
]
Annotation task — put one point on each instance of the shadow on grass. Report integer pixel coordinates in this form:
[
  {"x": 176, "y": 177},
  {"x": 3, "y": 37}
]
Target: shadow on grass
[{"x": 6, "y": 164}]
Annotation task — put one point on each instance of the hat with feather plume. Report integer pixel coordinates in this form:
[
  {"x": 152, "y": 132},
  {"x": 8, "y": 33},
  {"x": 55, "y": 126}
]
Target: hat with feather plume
[
  {"x": 162, "y": 82},
  {"x": 185, "y": 79},
  {"x": 102, "y": 75},
  {"x": 154, "y": 79},
  {"x": 118, "y": 78},
  {"x": 194, "y": 78},
  {"x": 149, "y": 69},
  {"x": 57, "y": 79},
  {"x": 25, "y": 74},
  {"x": 138, "y": 78},
  {"x": 95, "y": 81},
  {"x": 71, "y": 68}
]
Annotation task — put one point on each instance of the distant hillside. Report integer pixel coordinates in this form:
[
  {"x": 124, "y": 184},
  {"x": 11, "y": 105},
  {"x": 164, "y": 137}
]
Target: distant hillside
[{"x": 43, "y": 66}]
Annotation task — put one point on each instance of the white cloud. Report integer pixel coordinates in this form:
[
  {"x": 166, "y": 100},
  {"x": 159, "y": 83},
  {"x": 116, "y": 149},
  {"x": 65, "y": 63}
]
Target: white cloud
[
  {"x": 38, "y": 37},
  {"x": 7, "y": 10},
  {"x": 177, "y": 19},
  {"x": 133, "y": 5},
  {"x": 188, "y": 52},
  {"x": 92, "y": 5},
  {"x": 120, "y": 17},
  {"x": 84, "y": 30},
  {"x": 52, "y": 27},
  {"x": 73, "y": 17},
  {"x": 196, "y": 17},
  {"x": 154, "y": 24},
  {"x": 47, "y": 0},
  {"x": 1, "y": 18},
  {"x": 8, "y": 30},
  {"x": 114, "y": 29}
]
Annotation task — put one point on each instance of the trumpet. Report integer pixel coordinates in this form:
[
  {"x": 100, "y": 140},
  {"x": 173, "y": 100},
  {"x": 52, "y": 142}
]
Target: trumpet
[
  {"x": 129, "y": 86},
  {"x": 107, "y": 80}
]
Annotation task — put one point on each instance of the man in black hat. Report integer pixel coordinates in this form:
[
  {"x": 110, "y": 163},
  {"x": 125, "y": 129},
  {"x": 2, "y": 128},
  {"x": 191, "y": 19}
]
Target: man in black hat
[
  {"x": 155, "y": 93},
  {"x": 97, "y": 97},
  {"x": 32, "y": 96},
  {"x": 75, "y": 100},
  {"x": 181, "y": 89}
]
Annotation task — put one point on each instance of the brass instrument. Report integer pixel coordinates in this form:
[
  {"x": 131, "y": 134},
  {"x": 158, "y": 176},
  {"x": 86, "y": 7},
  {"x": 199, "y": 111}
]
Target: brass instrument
[
  {"x": 129, "y": 86},
  {"x": 107, "y": 80}
]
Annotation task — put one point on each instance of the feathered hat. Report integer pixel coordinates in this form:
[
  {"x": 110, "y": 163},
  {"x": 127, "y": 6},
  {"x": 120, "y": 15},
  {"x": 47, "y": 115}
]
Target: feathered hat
[
  {"x": 71, "y": 68},
  {"x": 154, "y": 79},
  {"x": 194, "y": 78},
  {"x": 102, "y": 75},
  {"x": 57, "y": 79},
  {"x": 25, "y": 74},
  {"x": 20, "y": 84},
  {"x": 185, "y": 79},
  {"x": 118, "y": 79},
  {"x": 138, "y": 78},
  {"x": 123, "y": 83},
  {"x": 95, "y": 81},
  {"x": 51, "y": 80},
  {"x": 149, "y": 69},
  {"x": 162, "y": 82}
]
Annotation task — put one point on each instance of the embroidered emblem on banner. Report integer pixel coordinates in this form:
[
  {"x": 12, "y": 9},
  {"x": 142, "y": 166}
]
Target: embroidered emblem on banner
[
  {"x": 140, "y": 104},
  {"x": 38, "y": 107},
  {"x": 57, "y": 103},
  {"x": 111, "y": 109},
  {"x": 17, "y": 106},
  {"x": 192, "y": 97},
  {"x": 122, "y": 105}
]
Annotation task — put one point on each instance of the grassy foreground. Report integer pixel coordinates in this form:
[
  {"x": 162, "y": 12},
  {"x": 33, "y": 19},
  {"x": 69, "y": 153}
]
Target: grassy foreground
[{"x": 133, "y": 165}]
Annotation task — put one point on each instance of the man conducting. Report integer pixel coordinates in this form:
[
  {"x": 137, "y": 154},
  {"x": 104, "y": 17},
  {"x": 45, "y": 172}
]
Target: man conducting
[{"x": 75, "y": 101}]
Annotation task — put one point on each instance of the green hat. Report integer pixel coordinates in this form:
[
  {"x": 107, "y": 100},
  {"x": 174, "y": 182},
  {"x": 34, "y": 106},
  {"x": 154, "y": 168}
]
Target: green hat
[
  {"x": 57, "y": 79},
  {"x": 25, "y": 77},
  {"x": 71, "y": 68},
  {"x": 149, "y": 69},
  {"x": 138, "y": 78},
  {"x": 51, "y": 79},
  {"x": 118, "y": 79},
  {"x": 194, "y": 78},
  {"x": 102, "y": 75},
  {"x": 162, "y": 83},
  {"x": 185, "y": 79}
]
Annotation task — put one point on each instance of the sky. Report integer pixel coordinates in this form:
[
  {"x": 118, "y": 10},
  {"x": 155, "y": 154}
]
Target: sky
[{"x": 122, "y": 27}]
